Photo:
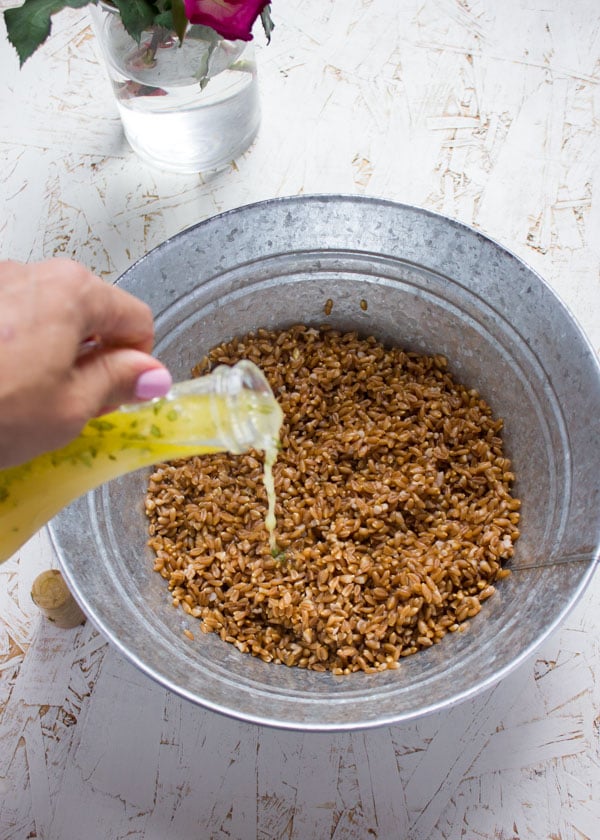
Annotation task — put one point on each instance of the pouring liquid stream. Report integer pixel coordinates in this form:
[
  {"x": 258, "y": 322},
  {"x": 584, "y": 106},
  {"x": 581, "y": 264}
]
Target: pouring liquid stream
[{"x": 232, "y": 409}]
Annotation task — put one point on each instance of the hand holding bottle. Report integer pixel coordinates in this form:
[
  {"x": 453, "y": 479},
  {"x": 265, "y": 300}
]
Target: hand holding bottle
[{"x": 71, "y": 346}]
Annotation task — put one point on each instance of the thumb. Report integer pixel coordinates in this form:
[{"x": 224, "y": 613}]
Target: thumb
[{"x": 114, "y": 376}]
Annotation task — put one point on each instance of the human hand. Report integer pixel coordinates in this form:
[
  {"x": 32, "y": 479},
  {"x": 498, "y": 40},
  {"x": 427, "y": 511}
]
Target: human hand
[{"x": 71, "y": 346}]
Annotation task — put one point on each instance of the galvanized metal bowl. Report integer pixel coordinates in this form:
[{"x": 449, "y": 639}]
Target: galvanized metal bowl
[{"x": 431, "y": 285}]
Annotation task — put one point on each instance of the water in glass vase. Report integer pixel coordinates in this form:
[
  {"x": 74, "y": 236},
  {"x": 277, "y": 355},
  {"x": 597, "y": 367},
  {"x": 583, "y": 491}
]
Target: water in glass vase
[{"x": 168, "y": 118}]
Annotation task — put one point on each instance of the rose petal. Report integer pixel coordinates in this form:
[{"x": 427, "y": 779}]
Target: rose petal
[{"x": 232, "y": 19}]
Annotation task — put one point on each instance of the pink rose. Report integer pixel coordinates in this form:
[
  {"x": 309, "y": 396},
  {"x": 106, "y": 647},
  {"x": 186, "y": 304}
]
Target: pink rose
[{"x": 232, "y": 19}]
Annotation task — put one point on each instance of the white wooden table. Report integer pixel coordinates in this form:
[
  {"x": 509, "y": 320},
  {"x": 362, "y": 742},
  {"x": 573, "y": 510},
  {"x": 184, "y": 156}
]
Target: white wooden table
[{"x": 488, "y": 112}]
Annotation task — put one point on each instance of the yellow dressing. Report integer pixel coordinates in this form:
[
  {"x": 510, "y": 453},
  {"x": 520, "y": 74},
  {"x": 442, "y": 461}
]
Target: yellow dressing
[
  {"x": 131, "y": 438},
  {"x": 269, "y": 482}
]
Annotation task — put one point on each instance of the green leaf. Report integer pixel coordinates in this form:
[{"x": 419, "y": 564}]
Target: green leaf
[
  {"x": 164, "y": 19},
  {"x": 205, "y": 33},
  {"x": 137, "y": 15},
  {"x": 267, "y": 22},
  {"x": 172, "y": 17},
  {"x": 180, "y": 21},
  {"x": 29, "y": 25}
]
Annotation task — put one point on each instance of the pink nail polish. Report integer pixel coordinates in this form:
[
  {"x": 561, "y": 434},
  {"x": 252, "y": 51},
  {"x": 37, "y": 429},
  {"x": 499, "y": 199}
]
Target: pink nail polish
[{"x": 153, "y": 383}]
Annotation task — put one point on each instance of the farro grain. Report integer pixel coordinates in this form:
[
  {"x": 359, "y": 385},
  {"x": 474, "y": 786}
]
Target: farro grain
[{"x": 394, "y": 509}]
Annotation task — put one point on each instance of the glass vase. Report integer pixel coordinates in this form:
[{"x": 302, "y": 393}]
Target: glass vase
[{"x": 191, "y": 107}]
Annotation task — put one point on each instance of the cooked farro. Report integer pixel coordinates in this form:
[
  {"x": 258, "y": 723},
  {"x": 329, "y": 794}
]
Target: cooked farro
[{"x": 394, "y": 510}]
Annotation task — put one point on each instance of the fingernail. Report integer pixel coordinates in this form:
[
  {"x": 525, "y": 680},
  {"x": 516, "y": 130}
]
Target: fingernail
[{"x": 153, "y": 383}]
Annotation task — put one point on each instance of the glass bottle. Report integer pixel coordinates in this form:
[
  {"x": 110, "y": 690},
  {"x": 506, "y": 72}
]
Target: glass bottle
[{"x": 231, "y": 409}]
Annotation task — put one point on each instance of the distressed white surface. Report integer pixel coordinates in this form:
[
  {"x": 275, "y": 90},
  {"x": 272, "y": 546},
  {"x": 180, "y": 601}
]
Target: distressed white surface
[{"x": 486, "y": 111}]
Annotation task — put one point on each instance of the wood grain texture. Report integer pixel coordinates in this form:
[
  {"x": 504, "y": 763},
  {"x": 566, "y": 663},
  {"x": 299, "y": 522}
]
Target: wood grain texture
[{"x": 485, "y": 111}]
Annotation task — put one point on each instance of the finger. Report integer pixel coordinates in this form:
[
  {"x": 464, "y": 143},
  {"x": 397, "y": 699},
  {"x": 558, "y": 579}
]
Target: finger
[
  {"x": 100, "y": 311},
  {"x": 113, "y": 377},
  {"x": 116, "y": 318}
]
